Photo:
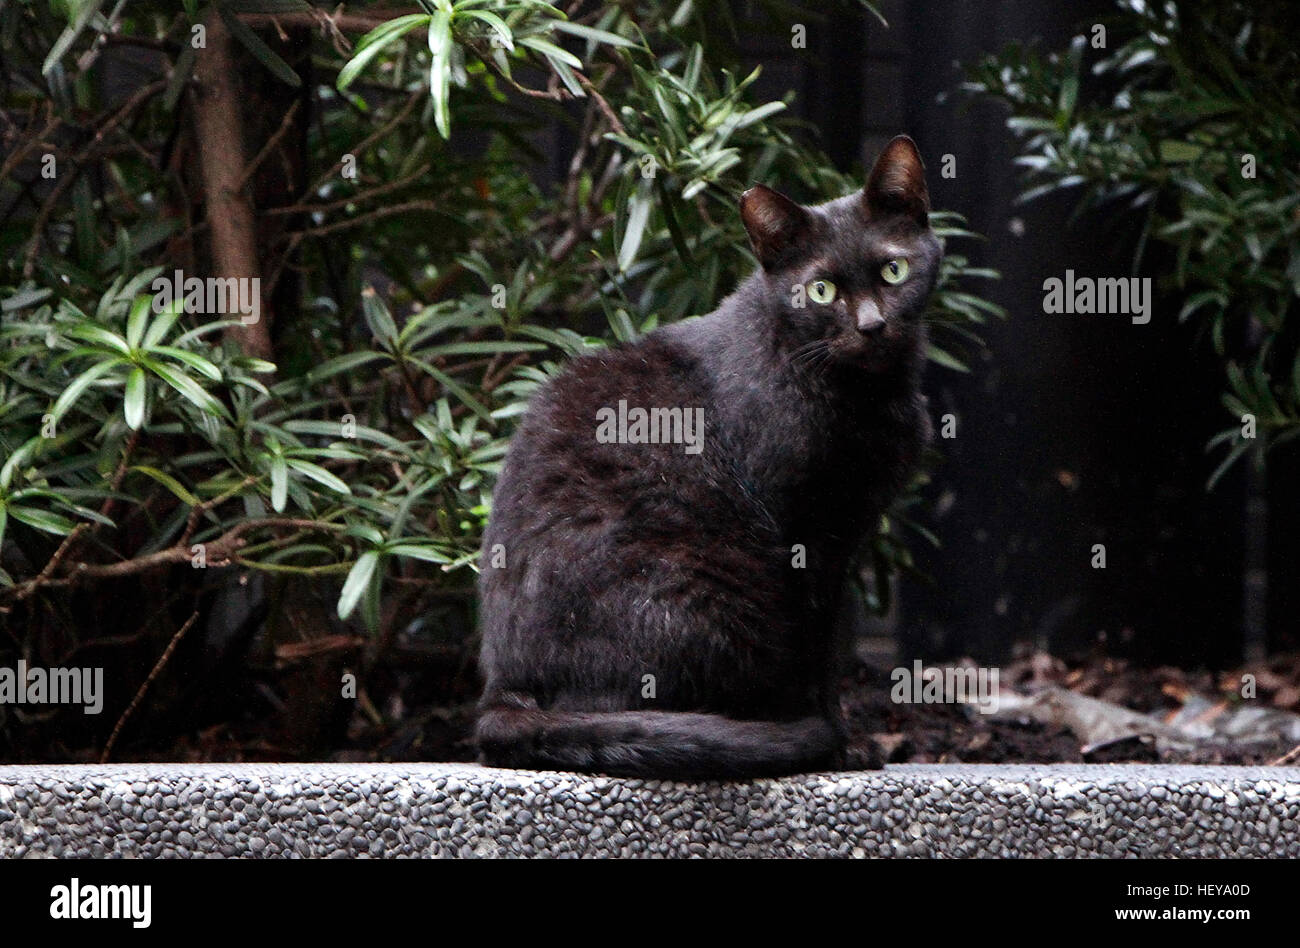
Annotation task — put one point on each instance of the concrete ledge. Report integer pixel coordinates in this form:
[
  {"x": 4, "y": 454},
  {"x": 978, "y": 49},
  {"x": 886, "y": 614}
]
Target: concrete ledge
[{"x": 338, "y": 810}]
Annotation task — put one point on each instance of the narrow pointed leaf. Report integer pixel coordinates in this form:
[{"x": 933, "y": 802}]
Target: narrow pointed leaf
[
  {"x": 189, "y": 389},
  {"x": 440, "y": 70},
  {"x": 133, "y": 406},
  {"x": 78, "y": 386},
  {"x": 319, "y": 475},
  {"x": 374, "y": 43},
  {"x": 279, "y": 482},
  {"x": 357, "y": 582}
]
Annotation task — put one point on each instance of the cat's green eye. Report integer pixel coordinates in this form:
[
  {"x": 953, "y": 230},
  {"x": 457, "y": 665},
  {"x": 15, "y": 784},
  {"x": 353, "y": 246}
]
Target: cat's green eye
[
  {"x": 895, "y": 271},
  {"x": 821, "y": 291}
]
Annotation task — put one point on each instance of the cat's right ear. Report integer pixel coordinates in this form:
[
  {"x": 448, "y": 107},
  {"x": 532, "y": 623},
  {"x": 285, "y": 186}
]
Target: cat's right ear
[
  {"x": 897, "y": 183},
  {"x": 774, "y": 223}
]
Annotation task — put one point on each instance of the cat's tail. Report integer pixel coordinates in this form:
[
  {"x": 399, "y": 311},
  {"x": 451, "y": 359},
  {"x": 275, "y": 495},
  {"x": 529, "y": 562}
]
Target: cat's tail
[{"x": 664, "y": 744}]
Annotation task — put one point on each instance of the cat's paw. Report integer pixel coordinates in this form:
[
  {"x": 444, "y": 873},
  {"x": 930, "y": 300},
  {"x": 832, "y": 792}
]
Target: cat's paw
[{"x": 864, "y": 755}]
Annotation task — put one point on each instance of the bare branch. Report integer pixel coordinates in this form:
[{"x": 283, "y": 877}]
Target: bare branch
[
  {"x": 220, "y": 551},
  {"x": 271, "y": 142},
  {"x": 139, "y": 695}
]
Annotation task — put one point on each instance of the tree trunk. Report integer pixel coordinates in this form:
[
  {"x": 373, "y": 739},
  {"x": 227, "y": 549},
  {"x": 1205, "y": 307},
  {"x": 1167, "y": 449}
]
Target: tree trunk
[{"x": 231, "y": 220}]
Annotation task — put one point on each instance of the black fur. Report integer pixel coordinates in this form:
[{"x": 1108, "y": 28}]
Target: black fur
[{"x": 629, "y": 560}]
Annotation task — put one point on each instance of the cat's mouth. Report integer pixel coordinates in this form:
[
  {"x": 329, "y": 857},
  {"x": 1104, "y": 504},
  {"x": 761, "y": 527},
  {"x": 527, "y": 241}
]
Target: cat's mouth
[
  {"x": 874, "y": 355},
  {"x": 873, "y": 361},
  {"x": 853, "y": 352}
]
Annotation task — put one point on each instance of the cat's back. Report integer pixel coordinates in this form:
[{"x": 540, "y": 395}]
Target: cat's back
[
  {"x": 659, "y": 369},
  {"x": 578, "y": 453}
]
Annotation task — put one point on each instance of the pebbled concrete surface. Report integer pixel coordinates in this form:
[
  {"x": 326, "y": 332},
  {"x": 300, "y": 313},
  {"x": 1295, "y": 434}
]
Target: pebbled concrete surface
[{"x": 344, "y": 810}]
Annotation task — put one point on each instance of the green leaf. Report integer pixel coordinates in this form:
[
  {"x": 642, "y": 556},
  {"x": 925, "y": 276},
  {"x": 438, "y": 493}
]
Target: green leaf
[
  {"x": 338, "y": 452},
  {"x": 754, "y": 115},
  {"x": 440, "y": 41},
  {"x": 205, "y": 330},
  {"x": 1237, "y": 378},
  {"x": 451, "y": 385},
  {"x": 261, "y": 52},
  {"x": 163, "y": 322},
  {"x": 374, "y": 42},
  {"x": 182, "y": 72},
  {"x": 89, "y": 332},
  {"x": 674, "y": 228},
  {"x": 380, "y": 321},
  {"x": 69, "y": 36},
  {"x": 370, "y": 611},
  {"x": 1264, "y": 387},
  {"x": 79, "y": 385},
  {"x": 137, "y": 320},
  {"x": 590, "y": 33},
  {"x": 640, "y": 204},
  {"x": 551, "y": 51},
  {"x": 364, "y": 531},
  {"x": 42, "y": 520},
  {"x": 342, "y": 365},
  {"x": 1070, "y": 84},
  {"x": 319, "y": 475},
  {"x": 24, "y": 298},
  {"x": 480, "y": 347},
  {"x": 498, "y": 25},
  {"x": 194, "y": 361},
  {"x": 189, "y": 389},
  {"x": 640, "y": 148},
  {"x": 874, "y": 11},
  {"x": 622, "y": 326},
  {"x": 937, "y": 355},
  {"x": 279, "y": 482},
  {"x": 133, "y": 406},
  {"x": 166, "y": 480},
  {"x": 18, "y": 459},
  {"x": 250, "y": 364},
  {"x": 1197, "y": 300},
  {"x": 418, "y": 552},
  {"x": 334, "y": 429},
  {"x": 358, "y": 580},
  {"x": 427, "y": 425},
  {"x": 1237, "y": 451},
  {"x": 1177, "y": 152}
]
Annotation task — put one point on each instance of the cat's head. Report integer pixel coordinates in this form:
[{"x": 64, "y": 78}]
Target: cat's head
[{"x": 850, "y": 277}]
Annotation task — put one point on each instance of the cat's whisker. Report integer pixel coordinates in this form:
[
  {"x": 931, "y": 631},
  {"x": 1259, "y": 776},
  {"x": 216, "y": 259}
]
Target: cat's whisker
[
  {"x": 822, "y": 362},
  {"x": 812, "y": 356},
  {"x": 807, "y": 349}
]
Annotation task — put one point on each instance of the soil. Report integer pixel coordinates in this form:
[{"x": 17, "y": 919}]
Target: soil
[
  {"x": 947, "y": 733},
  {"x": 421, "y": 708}
]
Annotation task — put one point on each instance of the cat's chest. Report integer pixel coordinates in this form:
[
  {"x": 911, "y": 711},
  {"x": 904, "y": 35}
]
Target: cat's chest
[{"x": 832, "y": 454}]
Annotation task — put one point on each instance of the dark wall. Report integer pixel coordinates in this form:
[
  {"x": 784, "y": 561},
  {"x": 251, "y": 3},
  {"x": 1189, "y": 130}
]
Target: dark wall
[{"x": 1072, "y": 430}]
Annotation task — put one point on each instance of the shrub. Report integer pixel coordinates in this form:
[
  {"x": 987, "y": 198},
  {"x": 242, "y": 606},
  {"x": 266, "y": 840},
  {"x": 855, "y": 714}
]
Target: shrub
[
  {"x": 419, "y": 278},
  {"x": 1191, "y": 123}
]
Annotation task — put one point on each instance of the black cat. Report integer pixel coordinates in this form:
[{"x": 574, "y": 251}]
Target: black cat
[{"x": 658, "y": 600}]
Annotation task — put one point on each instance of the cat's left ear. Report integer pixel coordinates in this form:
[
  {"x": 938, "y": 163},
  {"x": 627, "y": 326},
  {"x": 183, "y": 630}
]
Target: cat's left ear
[
  {"x": 897, "y": 183},
  {"x": 774, "y": 222}
]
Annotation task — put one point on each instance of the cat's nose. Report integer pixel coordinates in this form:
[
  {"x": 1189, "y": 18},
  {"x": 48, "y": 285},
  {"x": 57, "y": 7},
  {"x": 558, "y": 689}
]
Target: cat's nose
[{"x": 868, "y": 317}]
